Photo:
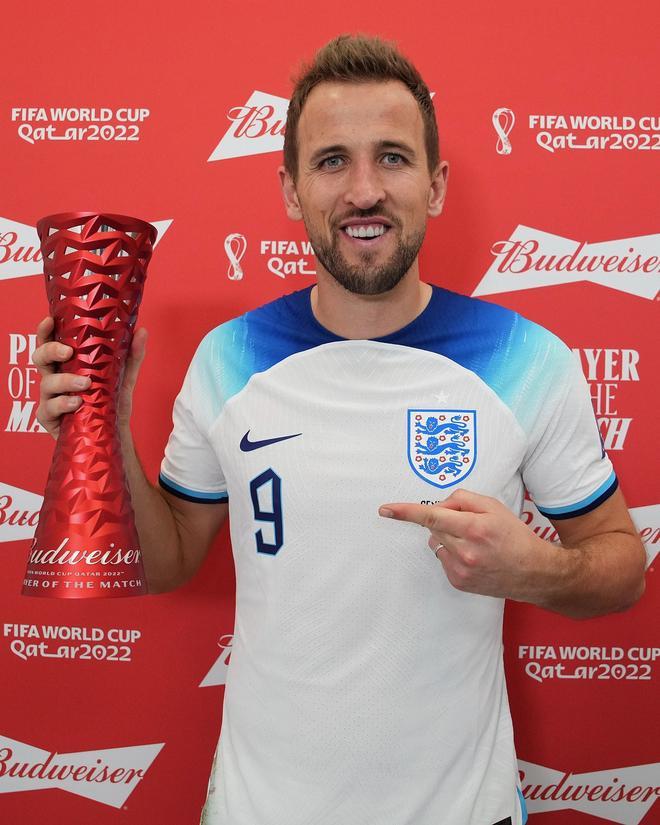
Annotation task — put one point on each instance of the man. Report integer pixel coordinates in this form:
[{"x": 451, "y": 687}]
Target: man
[{"x": 366, "y": 684}]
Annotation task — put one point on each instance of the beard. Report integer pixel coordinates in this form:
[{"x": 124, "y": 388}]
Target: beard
[{"x": 366, "y": 278}]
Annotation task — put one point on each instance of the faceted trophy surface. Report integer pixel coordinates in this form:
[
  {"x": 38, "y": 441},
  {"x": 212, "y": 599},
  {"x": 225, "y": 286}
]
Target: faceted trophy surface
[{"x": 86, "y": 544}]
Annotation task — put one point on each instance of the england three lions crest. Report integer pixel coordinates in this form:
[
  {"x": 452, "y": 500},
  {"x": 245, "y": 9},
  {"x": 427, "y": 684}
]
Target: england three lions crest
[{"x": 442, "y": 445}]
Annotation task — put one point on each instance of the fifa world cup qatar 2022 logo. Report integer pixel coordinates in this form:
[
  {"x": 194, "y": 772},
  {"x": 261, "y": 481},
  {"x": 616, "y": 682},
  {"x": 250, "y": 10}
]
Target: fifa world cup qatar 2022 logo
[
  {"x": 503, "y": 121},
  {"x": 86, "y": 544},
  {"x": 235, "y": 247}
]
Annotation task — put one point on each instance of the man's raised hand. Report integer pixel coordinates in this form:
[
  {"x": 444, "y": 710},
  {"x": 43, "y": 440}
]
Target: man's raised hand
[{"x": 58, "y": 390}]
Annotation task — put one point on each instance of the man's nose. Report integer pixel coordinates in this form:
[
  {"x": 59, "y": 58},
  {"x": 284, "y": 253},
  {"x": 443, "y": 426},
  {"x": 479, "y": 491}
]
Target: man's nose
[{"x": 365, "y": 187}]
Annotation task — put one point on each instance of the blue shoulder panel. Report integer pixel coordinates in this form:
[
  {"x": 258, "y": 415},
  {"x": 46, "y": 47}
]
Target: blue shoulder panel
[
  {"x": 261, "y": 338},
  {"x": 513, "y": 356}
]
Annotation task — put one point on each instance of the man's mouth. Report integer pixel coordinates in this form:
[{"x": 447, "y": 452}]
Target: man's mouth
[
  {"x": 372, "y": 230},
  {"x": 365, "y": 229}
]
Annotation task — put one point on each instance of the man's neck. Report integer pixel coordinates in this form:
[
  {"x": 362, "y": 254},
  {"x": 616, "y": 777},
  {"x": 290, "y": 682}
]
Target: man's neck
[{"x": 368, "y": 316}]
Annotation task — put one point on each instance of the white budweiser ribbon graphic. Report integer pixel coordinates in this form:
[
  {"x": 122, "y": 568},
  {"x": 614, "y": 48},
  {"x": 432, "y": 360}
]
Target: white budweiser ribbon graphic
[
  {"x": 108, "y": 776},
  {"x": 19, "y": 512},
  {"x": 646, "y": 519},
  {"x": 256, "y": 128},
  {"x": 20, "y": 253},
  {"x": 622, "y": 795},
  {"x": 217, "y": 675},
  {"x": 531, "y": 258}
]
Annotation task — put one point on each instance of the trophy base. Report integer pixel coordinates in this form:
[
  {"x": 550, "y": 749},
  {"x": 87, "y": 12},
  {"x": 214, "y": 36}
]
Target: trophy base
[{"x": 52, "y": 588}]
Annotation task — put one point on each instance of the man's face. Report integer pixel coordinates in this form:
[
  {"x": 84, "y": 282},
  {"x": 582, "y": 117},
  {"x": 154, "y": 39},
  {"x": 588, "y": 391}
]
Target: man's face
[{"x": 364, "y": 189}]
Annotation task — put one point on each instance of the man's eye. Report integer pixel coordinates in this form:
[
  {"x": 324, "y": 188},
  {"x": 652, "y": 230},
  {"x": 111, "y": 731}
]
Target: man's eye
[
  {"x": 393, "y": 158},
  {"x": 332, "y": 162}
]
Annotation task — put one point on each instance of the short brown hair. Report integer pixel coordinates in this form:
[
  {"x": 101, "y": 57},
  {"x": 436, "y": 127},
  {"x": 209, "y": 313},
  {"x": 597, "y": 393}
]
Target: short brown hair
[{"x": 353, "y": 59}]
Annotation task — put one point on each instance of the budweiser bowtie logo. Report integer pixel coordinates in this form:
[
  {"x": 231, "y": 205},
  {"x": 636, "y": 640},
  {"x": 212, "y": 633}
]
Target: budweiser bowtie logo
[
  {"x": 255, "y": 128},
  {"x": 217, "y": 675},
  {"x": 622, "y": 795},
  {"x": 646, "y": 519},
  {"x": 19, "y": 248},
  {"x": 19, "y": 513},
  {"x": 107, "y": 776},
  {"x": 532, "y": 258}
]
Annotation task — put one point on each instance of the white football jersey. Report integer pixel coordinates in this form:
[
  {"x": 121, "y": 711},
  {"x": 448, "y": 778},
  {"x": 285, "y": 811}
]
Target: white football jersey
[{"x": 363, "y": 688}]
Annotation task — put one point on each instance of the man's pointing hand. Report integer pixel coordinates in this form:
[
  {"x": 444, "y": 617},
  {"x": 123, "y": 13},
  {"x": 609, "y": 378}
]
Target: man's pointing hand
[{"x": 481, "y": 545}]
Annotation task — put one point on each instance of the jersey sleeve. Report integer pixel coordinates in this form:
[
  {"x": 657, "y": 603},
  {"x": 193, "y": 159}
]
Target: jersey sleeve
[
  {"x": 566, "y": 469},
  {"x": 190, "y": 468}
]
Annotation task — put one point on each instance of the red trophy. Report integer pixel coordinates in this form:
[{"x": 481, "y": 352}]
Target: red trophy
[{"x": 86, "y": 545}]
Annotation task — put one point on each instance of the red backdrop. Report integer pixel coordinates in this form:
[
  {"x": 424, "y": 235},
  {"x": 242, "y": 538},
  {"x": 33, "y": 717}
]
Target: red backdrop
[{"x": 175, "y": 115}]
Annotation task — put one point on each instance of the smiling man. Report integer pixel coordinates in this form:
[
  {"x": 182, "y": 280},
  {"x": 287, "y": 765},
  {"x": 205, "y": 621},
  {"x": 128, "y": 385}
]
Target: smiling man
[
  {"x": 365, "y": 200},
  {"x": 366, "y": 684}
]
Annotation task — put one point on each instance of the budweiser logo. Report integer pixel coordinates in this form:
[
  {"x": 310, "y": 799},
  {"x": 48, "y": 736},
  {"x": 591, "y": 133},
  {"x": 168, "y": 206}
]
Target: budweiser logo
[
  {"x": 62, "y": 555},
  {"x": 646, "y": 519},
  {"x": 20, "y": 249},
  {"x": 532, "y": 258},
  {"x": 107, "y": 776},
  {"x": 19, "y": 513},
  {"x": 217, "y": 675},
  {"x": 622, "y": 795},
  {"x": 255, "y": 128}
]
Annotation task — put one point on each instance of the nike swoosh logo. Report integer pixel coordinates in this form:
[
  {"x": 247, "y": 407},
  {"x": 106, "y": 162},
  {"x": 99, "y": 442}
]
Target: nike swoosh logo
[{"x": 246, "y": 445}]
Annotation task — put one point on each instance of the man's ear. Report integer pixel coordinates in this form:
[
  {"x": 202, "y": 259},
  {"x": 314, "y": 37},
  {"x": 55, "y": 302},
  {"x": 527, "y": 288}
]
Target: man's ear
[
  {"x": 291, "y": 202},
  {"x": 438, "y": 189}
]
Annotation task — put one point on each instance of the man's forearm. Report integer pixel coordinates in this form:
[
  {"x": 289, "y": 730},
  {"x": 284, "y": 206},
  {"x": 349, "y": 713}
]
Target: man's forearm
[
  {"x": 602, "y": 574},
  {"x": 155, "y": 522}
]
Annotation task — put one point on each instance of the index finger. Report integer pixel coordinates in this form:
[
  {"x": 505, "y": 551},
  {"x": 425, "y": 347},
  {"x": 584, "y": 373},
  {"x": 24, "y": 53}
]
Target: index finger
[{"x": 433, "y": 517}]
